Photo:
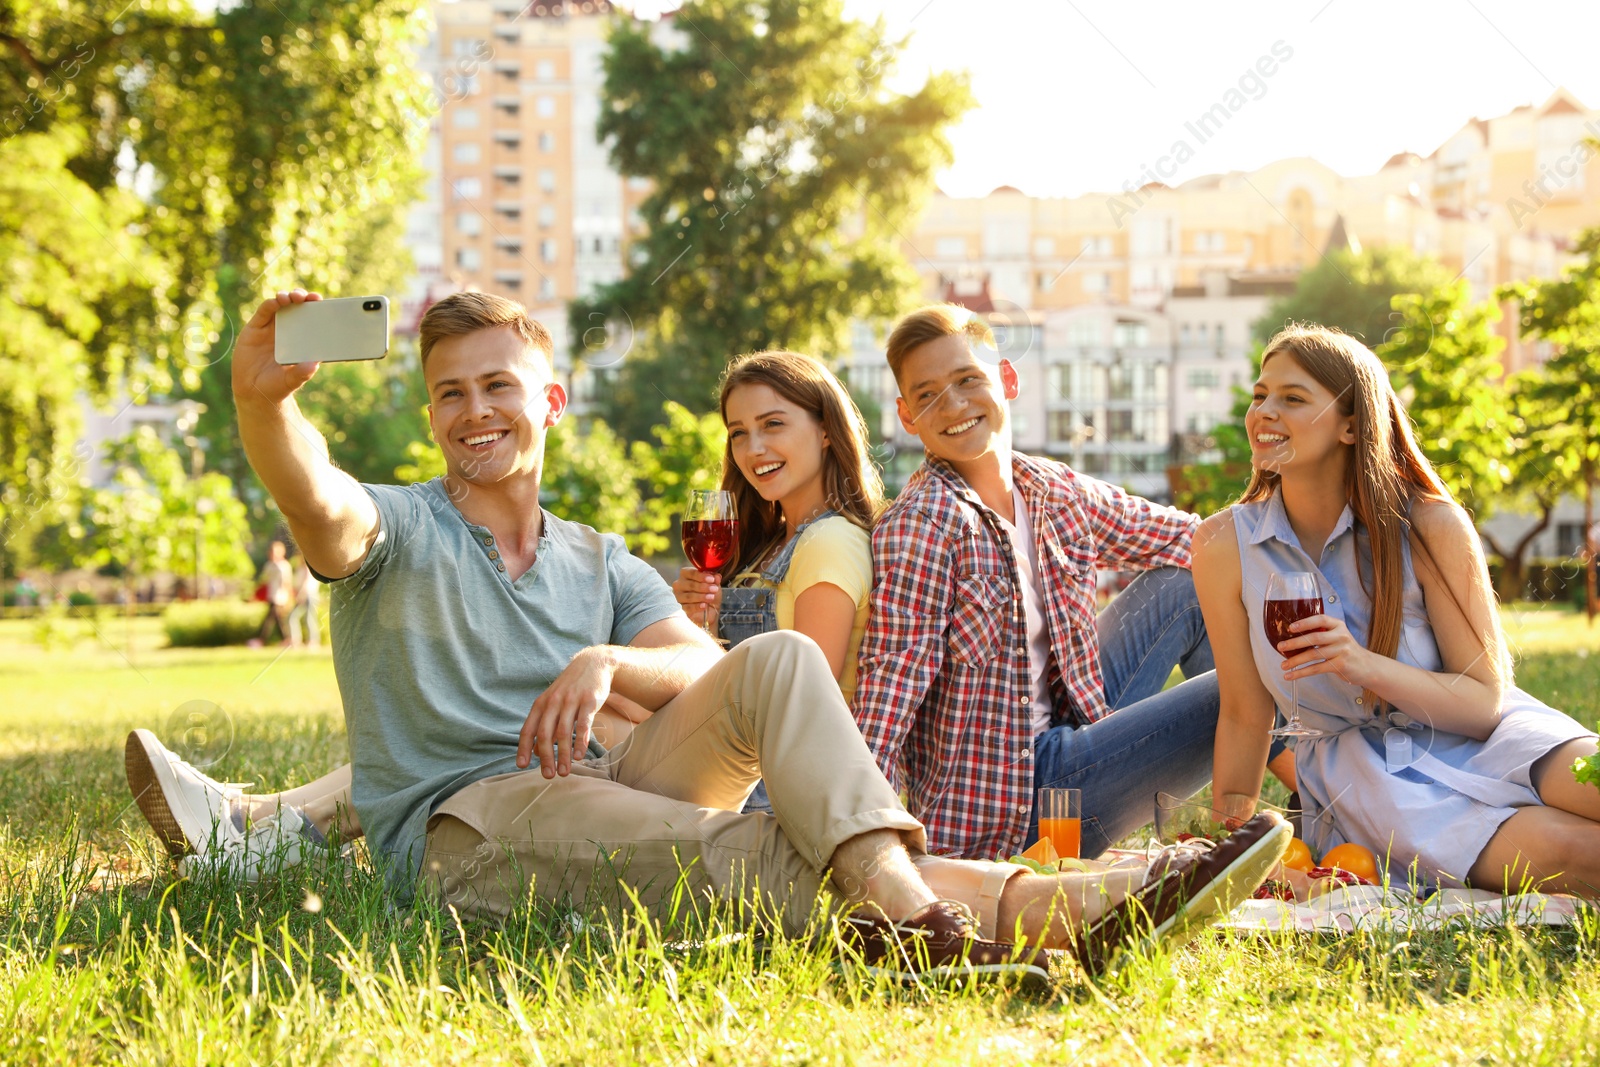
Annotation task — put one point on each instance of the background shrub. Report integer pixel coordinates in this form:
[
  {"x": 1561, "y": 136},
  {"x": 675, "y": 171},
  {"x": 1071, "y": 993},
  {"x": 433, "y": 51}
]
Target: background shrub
[{"x": 210, "y": 623}]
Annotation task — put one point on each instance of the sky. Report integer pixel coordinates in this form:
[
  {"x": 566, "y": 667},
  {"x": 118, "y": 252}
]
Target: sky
[{"x": 1078, "y": 96}]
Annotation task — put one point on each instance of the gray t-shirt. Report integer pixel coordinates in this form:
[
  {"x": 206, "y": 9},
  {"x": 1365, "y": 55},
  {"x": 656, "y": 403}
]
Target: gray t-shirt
[{"x": 440, "y": 656}]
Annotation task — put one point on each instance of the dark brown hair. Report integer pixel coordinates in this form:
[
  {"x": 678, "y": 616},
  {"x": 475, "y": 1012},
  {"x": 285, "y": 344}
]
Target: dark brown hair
[
  {"x": 851, "y": 484},
  {"x": 1386, "y": 475},
  {"x": 462, "y": 313}
]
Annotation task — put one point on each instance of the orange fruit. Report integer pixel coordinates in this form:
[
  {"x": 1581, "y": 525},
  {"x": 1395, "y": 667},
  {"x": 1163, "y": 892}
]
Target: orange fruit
[
  {"x": 1299, "y": 856},
  {"x": 1355, "y": 859}
]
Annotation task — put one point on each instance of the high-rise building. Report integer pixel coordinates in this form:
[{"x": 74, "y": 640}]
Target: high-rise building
[{"x": 529, "y": 204}]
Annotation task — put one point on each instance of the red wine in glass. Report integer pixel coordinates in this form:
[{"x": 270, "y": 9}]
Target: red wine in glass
[
  {"x": 1290, "y": 597},
  {"x": 709, "y": 542},
  {"x": 710, "y": 535},
  {"x": 1278, "y": 614}
]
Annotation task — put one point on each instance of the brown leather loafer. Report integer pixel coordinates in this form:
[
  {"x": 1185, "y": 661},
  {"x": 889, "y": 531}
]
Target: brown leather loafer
[
  {"x": 940, "y": 944},
  {"x": 1188, "y": 887}
]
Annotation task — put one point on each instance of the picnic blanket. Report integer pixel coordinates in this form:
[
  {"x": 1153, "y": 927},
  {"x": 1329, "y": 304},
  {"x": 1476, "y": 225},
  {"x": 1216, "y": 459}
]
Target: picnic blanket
[{"x": 1367, "y": 907}]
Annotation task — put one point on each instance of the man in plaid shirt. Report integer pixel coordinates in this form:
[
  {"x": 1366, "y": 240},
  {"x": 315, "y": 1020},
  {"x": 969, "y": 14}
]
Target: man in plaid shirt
[{"x": 985, "y": 673}]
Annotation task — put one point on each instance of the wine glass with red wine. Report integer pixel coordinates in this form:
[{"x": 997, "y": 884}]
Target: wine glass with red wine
[
  {"x": 1291, "y": 596},
  {"x": 710, "y": 532}
]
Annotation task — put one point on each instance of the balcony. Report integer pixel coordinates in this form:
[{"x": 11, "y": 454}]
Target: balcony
[
  {"x": 511, "y": 209},
  {"x": 508, "y": 7},
  {"x": 508, "y": 173},
  {"x": 511, "y": 68},
  {"x": 509, "y": 104},
  {"x": 509, "y": 278},
  {"x": 512, "y": 138},
  {"x": 509, "y": 245},
  {"x": 508, "y": 31}
]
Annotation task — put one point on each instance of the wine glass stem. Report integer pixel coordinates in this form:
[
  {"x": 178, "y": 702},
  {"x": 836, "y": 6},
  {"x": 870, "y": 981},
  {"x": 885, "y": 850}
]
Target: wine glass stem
[{"x": 1294, "y": 701}]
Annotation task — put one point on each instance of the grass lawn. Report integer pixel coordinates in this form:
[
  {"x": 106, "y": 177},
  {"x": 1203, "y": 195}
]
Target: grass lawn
[{"x": 106, "y": 955}]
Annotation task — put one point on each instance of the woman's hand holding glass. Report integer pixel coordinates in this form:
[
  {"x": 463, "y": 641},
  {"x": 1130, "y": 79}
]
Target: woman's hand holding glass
[
  {"x": 1325, "y": 645},
  {"x": 700, "y": 594}
]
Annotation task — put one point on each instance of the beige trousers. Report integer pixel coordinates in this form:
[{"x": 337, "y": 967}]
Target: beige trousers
[{"x": 661, "y": 810}]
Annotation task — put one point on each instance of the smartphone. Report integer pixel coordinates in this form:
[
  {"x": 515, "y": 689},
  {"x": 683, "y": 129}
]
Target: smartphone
[{"x": 333, "y": 331}]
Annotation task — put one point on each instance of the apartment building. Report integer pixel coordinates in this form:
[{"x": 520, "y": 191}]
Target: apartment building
[{"x": 530, "y": 206}]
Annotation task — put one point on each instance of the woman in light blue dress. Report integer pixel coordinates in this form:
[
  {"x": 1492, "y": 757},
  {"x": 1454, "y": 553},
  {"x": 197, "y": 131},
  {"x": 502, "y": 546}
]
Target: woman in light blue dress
[{"x": 1421, "y": 748}]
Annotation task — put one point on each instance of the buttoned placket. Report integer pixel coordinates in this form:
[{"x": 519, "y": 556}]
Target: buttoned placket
[{"x": 1021, "y": 676}]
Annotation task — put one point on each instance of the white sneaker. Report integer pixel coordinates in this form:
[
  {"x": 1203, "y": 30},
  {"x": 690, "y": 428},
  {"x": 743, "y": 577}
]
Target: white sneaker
[{"x": 194, "y": 815}]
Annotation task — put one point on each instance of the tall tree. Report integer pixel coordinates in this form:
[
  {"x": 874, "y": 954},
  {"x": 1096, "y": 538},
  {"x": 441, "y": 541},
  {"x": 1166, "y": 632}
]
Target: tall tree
[
  {"x": 1562, "y": 396},
  {"x": 782, "y": 170},
  {"x": 268, "y": 142}
]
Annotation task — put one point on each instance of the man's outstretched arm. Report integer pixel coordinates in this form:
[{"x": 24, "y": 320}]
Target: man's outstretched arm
[{"x": 333, "y": 520}]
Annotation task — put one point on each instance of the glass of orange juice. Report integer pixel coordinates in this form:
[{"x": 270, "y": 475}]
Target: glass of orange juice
[{"x": 1061, "y": 820}]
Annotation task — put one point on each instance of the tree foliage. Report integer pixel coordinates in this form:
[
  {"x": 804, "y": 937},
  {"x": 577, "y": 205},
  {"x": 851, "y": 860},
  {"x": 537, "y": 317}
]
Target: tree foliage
[
  {"x": 1354, "y": 292},
  {"x": 147, "y": 521},
  {"x": 180, "y": 160},
  {"x": 1560, "y": 399},
  {"x": 1443, "y": 360},
  {"x": 782, "y": 173}
]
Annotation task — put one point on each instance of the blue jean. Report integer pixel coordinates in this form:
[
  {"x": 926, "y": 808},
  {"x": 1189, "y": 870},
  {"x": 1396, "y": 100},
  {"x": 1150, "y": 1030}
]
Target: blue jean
[{"x": 1157, "y": 741}]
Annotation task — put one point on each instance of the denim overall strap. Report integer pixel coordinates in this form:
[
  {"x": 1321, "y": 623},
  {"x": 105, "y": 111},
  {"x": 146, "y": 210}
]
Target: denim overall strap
[
  {"x": 778, "y": 569},
  {"x": 751, "y": 610}
]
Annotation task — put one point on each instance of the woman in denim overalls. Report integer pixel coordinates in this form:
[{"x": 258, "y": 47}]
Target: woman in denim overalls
[{"x": 807, "y": 494}]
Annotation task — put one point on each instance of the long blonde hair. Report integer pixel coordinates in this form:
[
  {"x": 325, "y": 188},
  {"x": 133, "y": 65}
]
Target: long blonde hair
[
  {"x": 1386, "y": 475},
  {"x": 851, "y": 484}
]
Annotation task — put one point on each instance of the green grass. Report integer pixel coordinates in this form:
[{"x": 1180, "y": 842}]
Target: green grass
[{"x": 107, "y": 956}]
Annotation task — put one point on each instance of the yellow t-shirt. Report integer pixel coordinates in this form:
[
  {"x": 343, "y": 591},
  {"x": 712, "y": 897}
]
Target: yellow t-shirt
[{"x": 837, "y": 551}]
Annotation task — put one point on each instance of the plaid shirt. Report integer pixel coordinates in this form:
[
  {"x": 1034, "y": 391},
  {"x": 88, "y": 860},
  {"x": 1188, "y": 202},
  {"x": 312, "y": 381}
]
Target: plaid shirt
[{"x": 944, "y": 679}]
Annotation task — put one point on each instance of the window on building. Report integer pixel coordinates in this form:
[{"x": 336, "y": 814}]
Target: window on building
[
  {"x": 547, "y": 179},
  {"x": 1045, "y": 281},
  {"x": 547, "y": 141},
  {"x": 1204, "y": 379},
  {"x": 545, "y": 107},
  {"x": 950, "y": 247},
  {"x": 547, "y": 215},
  {"x": 1097, "y": 281},
  {"x": 1130, "y": 334},
  {"x": 547, "y": 250},
  {"x": 545, "y": 70},
  {"x": 1081, "y": 333},
  {"x": 1185, "y": 332},
  {"x": 1219, "y": 335},
  {"x": 547, "y": 288},
  {"x": 469, "y": 223},
  {"x": 1061, "y": 377},
  {"x": 464, "y": 118},
  {"x": 469, "y": 48},
  {"x": 1062, "y": 428},
  {"x": 469, "y": 259},
  {"x": 467, "y": 188},
  {"x": 466, "y": 152},
  {"x": 1044, "y": 246}
]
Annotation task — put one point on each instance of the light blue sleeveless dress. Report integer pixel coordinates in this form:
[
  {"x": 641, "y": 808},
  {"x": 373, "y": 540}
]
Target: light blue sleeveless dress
[{"x": 1411, "y": 794}]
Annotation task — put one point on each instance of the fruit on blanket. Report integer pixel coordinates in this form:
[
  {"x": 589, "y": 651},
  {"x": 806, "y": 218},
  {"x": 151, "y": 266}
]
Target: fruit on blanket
[
  {"x": 1042, "y": 851},
  {"x": 1355, "y": 859},
  {"x": 1299, "y": 856}
]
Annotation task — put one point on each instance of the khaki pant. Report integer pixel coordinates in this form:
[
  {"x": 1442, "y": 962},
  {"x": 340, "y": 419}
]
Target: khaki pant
[{"x": 662, "y": 808}]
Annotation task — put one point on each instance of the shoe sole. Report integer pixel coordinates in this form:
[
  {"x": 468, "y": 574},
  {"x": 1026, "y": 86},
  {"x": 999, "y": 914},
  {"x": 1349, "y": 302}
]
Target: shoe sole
[
  {"x": 150, "y": 792},
  {"x": 1214, "y": 898}
]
